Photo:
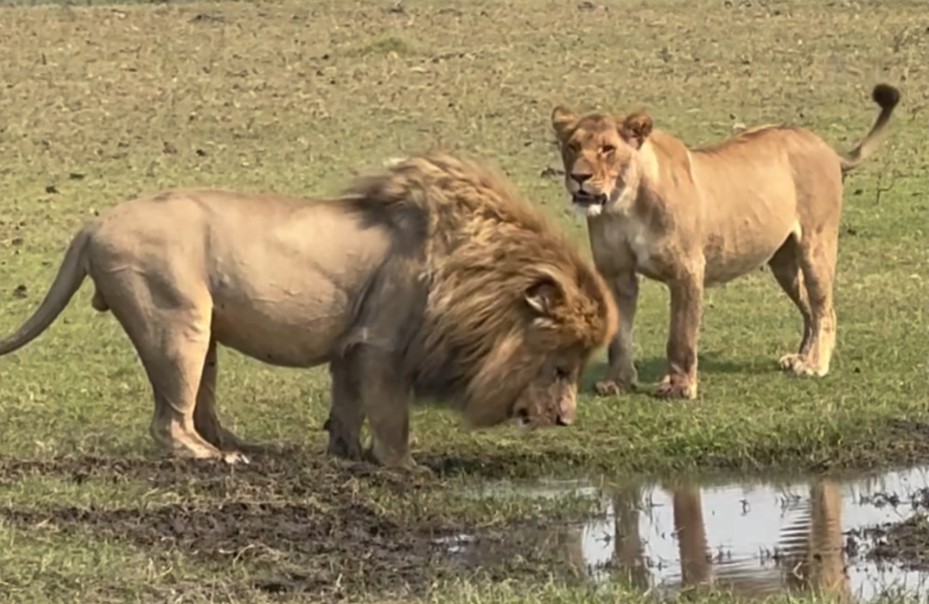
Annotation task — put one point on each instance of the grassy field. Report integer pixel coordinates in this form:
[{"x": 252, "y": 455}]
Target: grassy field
[{"x": 102, "y": 103}]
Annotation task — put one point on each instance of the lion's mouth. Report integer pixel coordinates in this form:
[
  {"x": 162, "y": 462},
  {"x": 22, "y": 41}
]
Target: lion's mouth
[
  {"x": 522, "y": 419},
  {"x": 586, "y": 200}
]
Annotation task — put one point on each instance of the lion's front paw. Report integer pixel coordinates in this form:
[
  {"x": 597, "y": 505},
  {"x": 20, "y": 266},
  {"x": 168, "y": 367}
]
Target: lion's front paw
[
  {"x": 676, "y": 387},
  {"x": 613, "y": 388},
  {"x": 344, "y": 448},
  {"x": 395, "y": 462},
  {"x": 235, "y": 457},
  {"x": 410, "y": 470},
  {"x": 419, "y": 471}
]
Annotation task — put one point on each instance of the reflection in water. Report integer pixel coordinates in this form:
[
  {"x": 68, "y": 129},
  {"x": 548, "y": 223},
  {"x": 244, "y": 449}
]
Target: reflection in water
[
  {"x": 691, "y": 536},
  {"x": 630, "y": 551},
  {"x": 753, "y": 539},
  {"x": 820, "y": 565}
]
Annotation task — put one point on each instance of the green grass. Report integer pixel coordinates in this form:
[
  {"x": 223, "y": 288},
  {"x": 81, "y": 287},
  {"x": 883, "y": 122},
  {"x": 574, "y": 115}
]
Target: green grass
[{"x": 105, "y": 102}]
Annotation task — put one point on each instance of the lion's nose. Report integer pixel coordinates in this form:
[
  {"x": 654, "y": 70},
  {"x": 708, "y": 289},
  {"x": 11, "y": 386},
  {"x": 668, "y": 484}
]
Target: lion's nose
[{"x": 581, "y": 178}]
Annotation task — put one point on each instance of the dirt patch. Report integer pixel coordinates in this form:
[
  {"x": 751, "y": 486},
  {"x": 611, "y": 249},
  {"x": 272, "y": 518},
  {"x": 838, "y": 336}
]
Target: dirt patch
[
  {"x": 283, "y": 473},
  {"x": 268, "y": 468},
  {"x": 905, "y": 544},
  {"x": 356, "y": 543},
  {"x": 302, "y": 524}
]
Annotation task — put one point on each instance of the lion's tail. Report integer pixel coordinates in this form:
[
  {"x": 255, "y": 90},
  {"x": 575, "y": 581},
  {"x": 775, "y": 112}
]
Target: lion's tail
[
  {"x": 67, "y": 281},
  {"x": 887, "y": 97}
]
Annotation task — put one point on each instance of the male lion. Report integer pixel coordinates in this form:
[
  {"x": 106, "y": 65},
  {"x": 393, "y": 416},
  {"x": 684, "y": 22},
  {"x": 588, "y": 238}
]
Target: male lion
[
  {"x": 432, "y": 279},
  {"x": 693, "y": 218}
]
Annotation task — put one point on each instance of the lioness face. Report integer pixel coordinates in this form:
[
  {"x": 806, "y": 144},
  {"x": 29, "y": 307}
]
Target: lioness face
[{"x": 600, "y": 154}]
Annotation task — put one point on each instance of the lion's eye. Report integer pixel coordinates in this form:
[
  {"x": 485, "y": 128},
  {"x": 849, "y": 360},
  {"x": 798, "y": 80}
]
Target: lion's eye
[
  {"x": 607, "y": 149},
  {"x": 574, "y": 146}
]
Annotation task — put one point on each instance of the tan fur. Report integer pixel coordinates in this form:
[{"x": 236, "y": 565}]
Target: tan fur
[
  {"x": 693, "y": 218},
  {"x": 432, "y": 279}
]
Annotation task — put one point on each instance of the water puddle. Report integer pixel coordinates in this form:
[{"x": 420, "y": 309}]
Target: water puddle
[{"x": 753, "y": 538}]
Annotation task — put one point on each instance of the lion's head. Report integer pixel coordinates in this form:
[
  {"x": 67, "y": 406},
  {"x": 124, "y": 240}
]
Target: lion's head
[
  {"x": 601, "y": 159},
  {"x": 513, "y": 311},
  {"x": 532, "y": 336}
]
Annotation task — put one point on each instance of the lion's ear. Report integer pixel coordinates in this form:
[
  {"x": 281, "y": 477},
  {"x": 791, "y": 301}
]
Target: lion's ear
[
  {"x": 636, "y": 128},
  {"x": 563, "y": 120},
  {"x": 544, "y": 296}
]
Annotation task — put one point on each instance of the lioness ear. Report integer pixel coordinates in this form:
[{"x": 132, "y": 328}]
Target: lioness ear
[
  {"x": 563, "y": 120},
  {"x": 544, "y": 296},
  {"x": 636, "y": 128}
]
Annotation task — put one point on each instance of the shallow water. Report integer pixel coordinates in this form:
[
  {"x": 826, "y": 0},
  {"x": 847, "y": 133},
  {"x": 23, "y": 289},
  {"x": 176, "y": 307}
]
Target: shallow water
[{"x": 754, "y": 537}]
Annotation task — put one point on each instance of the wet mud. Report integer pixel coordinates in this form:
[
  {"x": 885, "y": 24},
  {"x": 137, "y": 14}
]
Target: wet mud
[
  {"x": 306, "y": 524},
  {"x": 354, "y": 542},
  {"x": 903, "y": 543},
  {"x": 318, "y": 527}
]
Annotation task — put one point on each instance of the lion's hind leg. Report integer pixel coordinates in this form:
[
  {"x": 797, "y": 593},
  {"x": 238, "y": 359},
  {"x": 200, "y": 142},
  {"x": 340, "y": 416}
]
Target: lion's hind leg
[
  {"x": 169, "y": 326},
  {"x": 785, "y": 265},
  {"x": 174, "y": 369},
  {"x": 206, "y": 420}
]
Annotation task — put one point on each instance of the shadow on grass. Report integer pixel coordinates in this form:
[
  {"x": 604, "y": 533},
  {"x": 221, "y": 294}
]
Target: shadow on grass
[{"x": 651, "y": 369}]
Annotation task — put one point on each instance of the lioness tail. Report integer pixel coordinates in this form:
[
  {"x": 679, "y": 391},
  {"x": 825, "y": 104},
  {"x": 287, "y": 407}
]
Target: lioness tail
[
  {"x": 67, "y": 281},
  {"x": 887, "y": 97}
]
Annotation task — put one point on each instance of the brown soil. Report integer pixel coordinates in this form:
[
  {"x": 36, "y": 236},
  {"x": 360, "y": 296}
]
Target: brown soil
[
  {"x": 305, "y": 524},
  {"x": 905, "y": 543}
]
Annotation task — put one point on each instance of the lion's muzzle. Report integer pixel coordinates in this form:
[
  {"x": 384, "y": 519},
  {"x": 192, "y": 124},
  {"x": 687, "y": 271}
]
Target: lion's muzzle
[{"x": 581, "y": 196}]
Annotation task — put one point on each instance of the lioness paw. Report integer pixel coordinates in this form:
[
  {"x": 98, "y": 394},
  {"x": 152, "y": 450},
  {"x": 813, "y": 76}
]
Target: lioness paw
[
  {"x": 799, "y": 366},
  {"x": 676, "y": 388},
  {"x": 613, "y": 388}
]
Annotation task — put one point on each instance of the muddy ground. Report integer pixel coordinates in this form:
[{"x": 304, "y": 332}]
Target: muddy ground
[
  {"x": 904, "y": 543},
  {"x": 311, "y": 527},
  {"x": 304, "y": 527}
]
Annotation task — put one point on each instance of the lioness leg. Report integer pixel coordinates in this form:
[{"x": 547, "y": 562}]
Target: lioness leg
[
  {"x": 205, "y": 419},
  {"x": 622, "y": 375},
  {"x": 818, "y": 260},
  {"x": 785, "y": 264},
  {"x": 346, "y": 414},
  {"x": 686, "y": 310}
]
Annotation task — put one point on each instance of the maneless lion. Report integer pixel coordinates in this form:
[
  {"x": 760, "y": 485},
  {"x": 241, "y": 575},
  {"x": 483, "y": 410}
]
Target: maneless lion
[
  {"x": 693, "y": 218},
  {"x": 432, "y": 279}
]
